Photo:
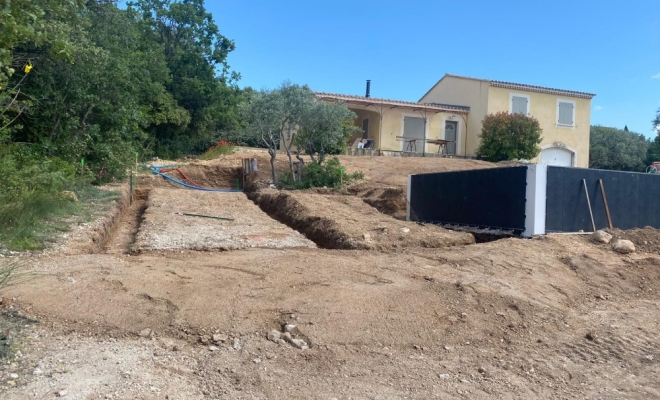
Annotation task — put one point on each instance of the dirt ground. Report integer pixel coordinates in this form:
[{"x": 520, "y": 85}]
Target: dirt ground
[
  {"x": 347, "y": 222},
  {"x": 556, "y": 317},
  {"x": 162, "y": 228}
]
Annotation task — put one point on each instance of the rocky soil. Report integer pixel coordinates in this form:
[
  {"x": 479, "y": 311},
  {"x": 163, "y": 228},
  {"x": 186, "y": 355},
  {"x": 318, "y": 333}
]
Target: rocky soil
[{"x": 559, "y": 316}]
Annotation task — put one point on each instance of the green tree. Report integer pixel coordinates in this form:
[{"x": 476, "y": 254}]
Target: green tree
[
  {"x": 291, "y": 116},
  {"x": 325, "y": 128},
  {"x": 196, "y": 55},
  {"x": 616, "y": 149},
  {"x": 33, "y": 22},
  {"x": 113, "y": 97},
  {"x": 507, "y": 136},
  {"x": 653, "y": 152}
]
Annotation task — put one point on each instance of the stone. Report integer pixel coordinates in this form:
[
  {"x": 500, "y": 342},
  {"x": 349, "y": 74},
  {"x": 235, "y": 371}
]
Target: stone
[
  {"x": 61, "y": 393},
  {"x": 444, "y": 376},
  {"x": 623, "y": 246},
  {"x": 257, "y": 360},
  {"x": 274, "y": 335},
  {"x": 366, "y": 236},
  {"x": 289, "y": 327},
  {"x": 286, "y": 336},
  {"x": 236, "y": 345},
  {"x": 213, "y": 348},
  {"x": 204, "y": 339},
  {"x": 70, "y": 196},
  {"x": 601, "y": 237},
  {"x": 13, "y": 376},
  {"x": 146, "y": 332},
  {"x": 280, "y": 341},
  {"x": 405, "y": 230},
  {"x": 220, "y": 338},
  {"x": 37, "y": 371},
  {"x": 298, "y": 343}
]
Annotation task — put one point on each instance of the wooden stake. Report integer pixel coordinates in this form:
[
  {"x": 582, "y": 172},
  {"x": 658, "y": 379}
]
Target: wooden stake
[
  {"x": 593, "y": 224},
  {"x": 130, "y": 189},
  {"x": 607, "y": 208}
]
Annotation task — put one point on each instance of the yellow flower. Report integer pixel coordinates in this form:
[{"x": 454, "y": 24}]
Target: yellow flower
[{"x": 28, "y": 68}]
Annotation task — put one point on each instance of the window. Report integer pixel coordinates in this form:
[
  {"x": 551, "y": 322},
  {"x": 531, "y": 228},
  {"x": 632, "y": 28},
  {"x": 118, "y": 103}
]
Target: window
[
  {"x": 565, "y": 112},
  {"x": 519, "y": 104}
]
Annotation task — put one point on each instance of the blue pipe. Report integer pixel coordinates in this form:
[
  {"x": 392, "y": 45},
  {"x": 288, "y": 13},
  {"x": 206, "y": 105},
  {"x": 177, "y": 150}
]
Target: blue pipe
[{"x": 157, "y": 172}]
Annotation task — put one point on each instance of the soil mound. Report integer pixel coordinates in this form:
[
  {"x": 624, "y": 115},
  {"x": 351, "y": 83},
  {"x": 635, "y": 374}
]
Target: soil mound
[
  {"x": 646, "y": 239},
  {"x": 346, "y": 222}
]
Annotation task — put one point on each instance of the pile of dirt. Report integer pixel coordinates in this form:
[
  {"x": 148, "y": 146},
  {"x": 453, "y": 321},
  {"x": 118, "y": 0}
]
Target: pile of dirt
[
  {"x": 553, "y": 317},
  {"x": 346, "y": 222},
  {"x": 390, "y": 200},
  {"x": 210, "y": 176},
  {"x": 646, "y": 239},
  {"x": 164, "y": 228}
]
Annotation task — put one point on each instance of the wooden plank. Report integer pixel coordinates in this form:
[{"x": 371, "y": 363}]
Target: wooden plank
[
  {"x": 593, "y": 224},
  {"x": 607, "y": 208}
]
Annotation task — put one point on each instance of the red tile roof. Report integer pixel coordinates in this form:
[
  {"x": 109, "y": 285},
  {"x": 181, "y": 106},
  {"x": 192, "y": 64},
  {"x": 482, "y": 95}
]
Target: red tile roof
[
  {"x": 529, "y": 88},
  {"x": 349, "y": 98}
]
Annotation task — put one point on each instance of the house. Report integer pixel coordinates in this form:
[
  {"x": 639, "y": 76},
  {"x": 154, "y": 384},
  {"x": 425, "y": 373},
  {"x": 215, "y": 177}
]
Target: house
[
  {"x": 394, "y": 126},
  {"x": 564, "y": 115}
]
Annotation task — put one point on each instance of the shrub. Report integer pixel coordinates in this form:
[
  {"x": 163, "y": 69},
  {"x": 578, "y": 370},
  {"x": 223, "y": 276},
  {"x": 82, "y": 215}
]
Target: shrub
[
  {"x": 330, "y": 174},
  {"x": 222, "y": 148},
  {"x": 31, "y": 198},
  {"x": 507, "y": 136}
]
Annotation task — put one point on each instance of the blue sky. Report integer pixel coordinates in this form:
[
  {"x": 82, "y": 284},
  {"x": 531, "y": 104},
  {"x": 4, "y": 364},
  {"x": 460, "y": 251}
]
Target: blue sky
[{"x": 610, "y": 48}]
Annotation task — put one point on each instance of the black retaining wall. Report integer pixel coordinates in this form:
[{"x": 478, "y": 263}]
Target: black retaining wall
[
  {"x": 633, "y": 199},
  {"x": 486, "y": 198}
]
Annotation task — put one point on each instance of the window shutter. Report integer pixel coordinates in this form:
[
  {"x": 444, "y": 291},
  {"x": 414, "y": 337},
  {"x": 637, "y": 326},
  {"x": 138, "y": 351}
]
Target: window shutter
[
  {"x": 565, "y": 116},
  {"x": 519, "y": 105}
]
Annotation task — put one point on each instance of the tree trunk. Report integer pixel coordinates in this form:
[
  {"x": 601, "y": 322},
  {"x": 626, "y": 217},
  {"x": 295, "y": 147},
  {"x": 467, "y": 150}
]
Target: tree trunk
[
  {"x": 272, "y": 153},
  {"x": 288, "y": 154}
]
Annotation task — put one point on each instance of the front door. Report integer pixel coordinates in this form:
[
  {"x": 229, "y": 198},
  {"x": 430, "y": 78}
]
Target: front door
[
  {"x": 365, "y": 128},
  {"x": 450, "y": 134}
]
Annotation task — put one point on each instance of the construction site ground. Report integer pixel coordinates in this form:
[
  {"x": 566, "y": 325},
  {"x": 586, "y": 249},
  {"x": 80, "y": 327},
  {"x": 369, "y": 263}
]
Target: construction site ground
[{"x": 166, "y": 306}]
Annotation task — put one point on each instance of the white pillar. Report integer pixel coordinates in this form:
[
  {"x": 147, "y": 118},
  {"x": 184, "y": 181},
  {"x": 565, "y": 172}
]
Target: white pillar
[{"x": 537, "y": 182}]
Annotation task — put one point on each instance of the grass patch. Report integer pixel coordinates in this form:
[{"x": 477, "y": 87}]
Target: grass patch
[
  {"x": 30, "y": 221},
  {"x": 222, "y": 148}
]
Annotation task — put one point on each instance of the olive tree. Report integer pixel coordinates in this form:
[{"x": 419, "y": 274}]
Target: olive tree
[
  {"x": 292, "y": 117},
  {"x": 324, "y": 129}
]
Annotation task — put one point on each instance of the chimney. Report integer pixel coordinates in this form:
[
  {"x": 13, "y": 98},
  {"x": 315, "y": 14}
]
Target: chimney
[{"x": 368, "y": 88}]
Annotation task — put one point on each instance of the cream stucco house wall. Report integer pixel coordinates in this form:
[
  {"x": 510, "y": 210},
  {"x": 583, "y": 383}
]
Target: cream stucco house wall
[
  {"x": 564, "y": 115},
  {"x": 393, "y": 126}
]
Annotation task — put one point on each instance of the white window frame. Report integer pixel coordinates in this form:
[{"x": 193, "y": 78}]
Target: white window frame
[
  {"x": 557, "y": 114},
  {"x": 511, "y": 95}
]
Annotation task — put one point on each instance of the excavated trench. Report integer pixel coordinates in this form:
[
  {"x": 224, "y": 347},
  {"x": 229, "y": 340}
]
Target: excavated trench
[
  {"x": 122, "y": 235},
  {"x": 349, "y": 223}
]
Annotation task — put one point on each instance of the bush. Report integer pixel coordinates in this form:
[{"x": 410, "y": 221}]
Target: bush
[
  {"x": 507, "y": 136},
  {"x": 617, "y": 149},
  {"x": 31, "y": 198},
  {"x": 330, "y": 174},
  {"x": 222, "y": 148}
]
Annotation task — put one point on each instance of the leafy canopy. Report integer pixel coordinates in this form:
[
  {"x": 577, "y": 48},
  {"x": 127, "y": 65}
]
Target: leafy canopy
[
  {"x": 507, "y": 136},
  {"x": 617, "y": 149}
]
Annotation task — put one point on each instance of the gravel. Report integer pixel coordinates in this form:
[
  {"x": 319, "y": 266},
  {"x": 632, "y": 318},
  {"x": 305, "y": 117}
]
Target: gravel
[{"x": 164, "y": 229}]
